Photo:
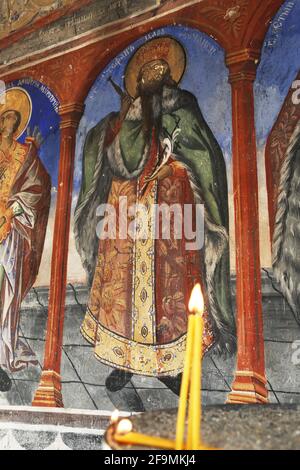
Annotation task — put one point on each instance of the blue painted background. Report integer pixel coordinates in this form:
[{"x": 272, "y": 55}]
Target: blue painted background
[{"x": 45, "y": 117}]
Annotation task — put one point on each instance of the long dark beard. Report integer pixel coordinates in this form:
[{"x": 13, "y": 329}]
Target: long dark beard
[{"x": 151, "y": 112}]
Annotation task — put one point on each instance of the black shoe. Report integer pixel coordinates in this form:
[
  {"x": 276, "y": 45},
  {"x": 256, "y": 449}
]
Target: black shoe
[
  {"x": 173, "y": 383},
  {"x": 117, "y": 380},
  {"x": 126, "y": 399},
  {"x": 5, "y": 382}
]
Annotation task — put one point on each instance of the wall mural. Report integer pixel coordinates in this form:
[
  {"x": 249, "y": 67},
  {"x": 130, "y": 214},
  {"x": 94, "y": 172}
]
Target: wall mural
[{"x": 156, "y": 131}]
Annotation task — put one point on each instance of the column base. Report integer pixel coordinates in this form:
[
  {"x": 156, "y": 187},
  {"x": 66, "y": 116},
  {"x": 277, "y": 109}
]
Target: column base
[
  {"x": 248, "y": 388},
  {"x": 49, "y": 390}
]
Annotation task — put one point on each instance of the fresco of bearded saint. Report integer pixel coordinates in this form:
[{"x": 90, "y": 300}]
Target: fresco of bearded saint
[
  {"x": 157, "y": 150},
  {"x": 25, "y": 192}
]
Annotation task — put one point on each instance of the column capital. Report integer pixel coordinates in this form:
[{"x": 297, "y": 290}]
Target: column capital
[
  {"x": 70, "y": 114},
  {"x": 243, "y": 64}
]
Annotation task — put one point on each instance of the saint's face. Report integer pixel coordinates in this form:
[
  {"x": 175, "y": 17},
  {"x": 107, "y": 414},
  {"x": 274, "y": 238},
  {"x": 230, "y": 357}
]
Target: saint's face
[
  {"x": 8, "y": 122},
  {"x": 152, "y": 76}
]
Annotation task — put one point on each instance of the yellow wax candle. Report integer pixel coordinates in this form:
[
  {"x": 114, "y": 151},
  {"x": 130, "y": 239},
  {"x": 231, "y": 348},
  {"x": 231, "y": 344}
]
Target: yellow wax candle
[
  {"x": 189, "y": 442},
  {"x": 136, "y": 439},
  {"x": 195, "y": 396},
  {"x": 185, "y": 383},
  {"x": 196, "y": 305}
]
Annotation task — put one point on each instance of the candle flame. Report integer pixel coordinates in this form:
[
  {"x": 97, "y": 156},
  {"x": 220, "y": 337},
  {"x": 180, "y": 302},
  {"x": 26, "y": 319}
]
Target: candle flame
[
  {"x": 196, "y": 303},
  {"x": 115, "y": 416},
  {"x": 124, "y": 426}
]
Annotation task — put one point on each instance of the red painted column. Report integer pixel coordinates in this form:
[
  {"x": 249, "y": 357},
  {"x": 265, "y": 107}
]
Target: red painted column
[
  {"x": 249, "y": 385},
  {"x": 49, "y": 390}
]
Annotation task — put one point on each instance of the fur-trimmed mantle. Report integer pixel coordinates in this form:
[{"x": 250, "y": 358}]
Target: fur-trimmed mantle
[{"x": 108, "y": 163}]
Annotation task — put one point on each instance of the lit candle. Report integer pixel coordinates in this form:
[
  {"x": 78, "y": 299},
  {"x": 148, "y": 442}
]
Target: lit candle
[
  {"x": 124, "y": 435},
  {"x": 185, "y": 384},
  {"x": 196, "y": 307}
]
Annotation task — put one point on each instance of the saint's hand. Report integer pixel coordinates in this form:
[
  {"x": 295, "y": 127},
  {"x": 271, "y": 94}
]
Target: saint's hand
[
  {"x": 163, "y": 173},
  {"x": 34, "y": 136}
]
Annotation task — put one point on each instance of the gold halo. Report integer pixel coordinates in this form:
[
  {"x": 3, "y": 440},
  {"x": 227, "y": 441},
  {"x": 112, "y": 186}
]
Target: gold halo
[
  {"x": 164, "y": 47},
  {"x": 18, "y": 99}
]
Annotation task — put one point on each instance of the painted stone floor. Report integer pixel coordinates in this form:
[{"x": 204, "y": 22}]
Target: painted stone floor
[{"x": 83, "y": 377}]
